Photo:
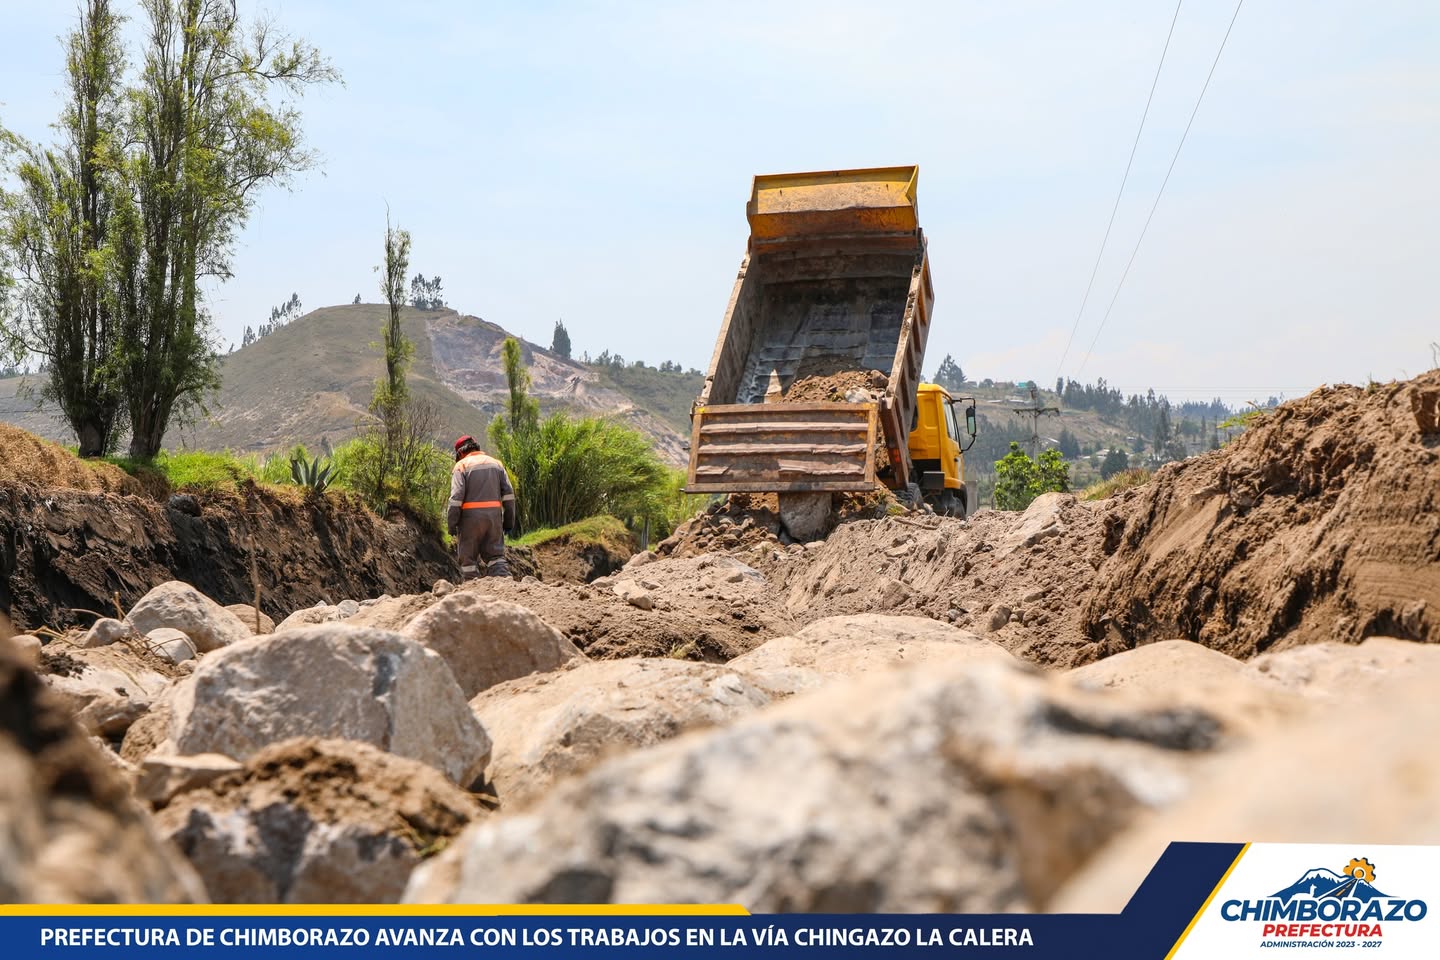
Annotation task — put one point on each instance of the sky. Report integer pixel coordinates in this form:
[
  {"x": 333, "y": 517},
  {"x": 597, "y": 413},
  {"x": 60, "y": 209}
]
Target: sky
[{"x": 590, "y": 162}]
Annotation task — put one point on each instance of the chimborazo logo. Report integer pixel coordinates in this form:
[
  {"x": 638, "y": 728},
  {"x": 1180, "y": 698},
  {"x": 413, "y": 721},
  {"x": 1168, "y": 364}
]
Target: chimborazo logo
[{"x": 1324, "y": 903}]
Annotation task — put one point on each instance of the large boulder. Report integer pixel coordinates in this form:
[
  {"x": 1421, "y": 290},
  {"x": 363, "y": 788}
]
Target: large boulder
[
  {"x": 69, "y": 830},
  {"x": 969, "y": 787},
  {"x": 1360, "y": 765},
  {"x": 335, "y": 681},
  {"x": 181, "y": 607},
  {"x": 553, "y": 725},
  {"x": 856, "y": 645},
  {"x": 488, "y": 641},
  {"x": 316, "y": 821},
  {"x": 108, "y": 688}
]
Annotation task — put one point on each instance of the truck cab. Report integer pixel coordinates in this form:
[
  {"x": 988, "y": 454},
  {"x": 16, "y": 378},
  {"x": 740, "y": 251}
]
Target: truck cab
[{"x": 941, "y": 432}]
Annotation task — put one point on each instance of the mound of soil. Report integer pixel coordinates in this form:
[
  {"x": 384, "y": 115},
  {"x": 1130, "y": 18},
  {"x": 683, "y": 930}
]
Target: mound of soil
[
  {"x": 64, "y": 551},
  {"x": 832, "y": 388},
  {"x": 27, "y": 459},
  {"x": 1019, "y": 579},
  {"x": 1320, "y": 523}
]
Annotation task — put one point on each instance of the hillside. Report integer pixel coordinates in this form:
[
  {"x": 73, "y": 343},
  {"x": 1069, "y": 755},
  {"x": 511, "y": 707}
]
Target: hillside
[{"x": 311, "y": 381}]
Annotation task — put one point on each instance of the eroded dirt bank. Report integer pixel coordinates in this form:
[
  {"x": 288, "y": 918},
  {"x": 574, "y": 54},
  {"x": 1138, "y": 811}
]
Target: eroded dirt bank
[{"x": 62, "y": 551}]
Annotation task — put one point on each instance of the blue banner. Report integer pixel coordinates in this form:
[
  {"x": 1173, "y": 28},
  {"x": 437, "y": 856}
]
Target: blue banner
[{"x": 1182, "y": 890}]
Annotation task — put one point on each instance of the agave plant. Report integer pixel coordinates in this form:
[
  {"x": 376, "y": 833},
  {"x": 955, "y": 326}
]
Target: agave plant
[{"x": 311, "y": 476}]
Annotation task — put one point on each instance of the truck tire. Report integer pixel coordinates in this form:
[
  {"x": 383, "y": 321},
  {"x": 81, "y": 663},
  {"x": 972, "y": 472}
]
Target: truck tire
[{"x": 950, "y": 503}]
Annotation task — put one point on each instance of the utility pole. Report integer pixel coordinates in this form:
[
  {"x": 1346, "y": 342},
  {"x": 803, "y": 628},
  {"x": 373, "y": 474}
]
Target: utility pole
[{"x": 1035, "y": 411}]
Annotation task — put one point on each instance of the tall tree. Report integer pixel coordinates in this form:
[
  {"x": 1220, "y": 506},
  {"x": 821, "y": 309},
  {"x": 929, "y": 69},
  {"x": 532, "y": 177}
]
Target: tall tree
[
  {"x": 949, "y": 375},
  {"x": 208, "y": 139},
  {"x": 391, "y": 393},
  {"x": 522, "y": 411},
  {"x": 56, "y": 226},
  {"x": 560, "y": 342}
]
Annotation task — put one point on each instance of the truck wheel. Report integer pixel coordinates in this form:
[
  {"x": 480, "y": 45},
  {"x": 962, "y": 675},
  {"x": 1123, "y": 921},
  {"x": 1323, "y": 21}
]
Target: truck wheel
[{"x": 950, "y": 504}]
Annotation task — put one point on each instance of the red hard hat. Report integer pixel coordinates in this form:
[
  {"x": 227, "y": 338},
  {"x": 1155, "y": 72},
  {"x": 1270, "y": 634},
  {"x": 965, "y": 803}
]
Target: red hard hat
[{"x": 464, "y": 440}]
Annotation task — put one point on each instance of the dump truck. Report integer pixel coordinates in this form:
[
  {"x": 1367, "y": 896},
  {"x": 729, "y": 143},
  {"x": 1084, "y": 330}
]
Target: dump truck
[{"x": 834, "y": 289}]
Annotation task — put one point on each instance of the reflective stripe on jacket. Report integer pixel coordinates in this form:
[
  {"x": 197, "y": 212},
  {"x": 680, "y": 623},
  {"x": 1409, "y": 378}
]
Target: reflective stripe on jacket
[{"x": 478, "y": 482}]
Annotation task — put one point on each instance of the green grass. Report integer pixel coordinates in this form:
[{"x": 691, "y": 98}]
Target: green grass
[
  {"x": 603, "y": 530},
  {"x": 210, "y": 471},
  {"x": 1119, "y": 483}
]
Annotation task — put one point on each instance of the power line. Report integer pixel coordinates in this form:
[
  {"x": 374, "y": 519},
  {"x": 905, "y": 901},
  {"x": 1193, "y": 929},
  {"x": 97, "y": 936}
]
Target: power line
[
  {"x": 1119, "y": 193},
  {"x": 1178, "y": 147}
]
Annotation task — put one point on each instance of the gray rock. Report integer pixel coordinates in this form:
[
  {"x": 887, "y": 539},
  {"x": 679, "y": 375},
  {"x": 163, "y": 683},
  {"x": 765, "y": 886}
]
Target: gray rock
[
  {"x": 181, "y": 607},
  {"x": 639, "y": 559},
  {"x": 27, "y": 648},
  {"x": 172, "y": 644},
  {"x": 634, "y": 594},
  {"x": 1040, "y": 521},
  {"x": 555, "y": 725},
  {"x": 442, "y": 587},
  {"x": 113, "y": 688},
  {"x": 880, "y": 794},
  {"x": 487, "y": 641},
  {"x": 335, "y": 681},
  {"x": 348, "y": 608},
  {"x": 163, "y": 778},
  {"x": 316, "y": 821},
  {"x": 999, "y": 617},
  {"x": 309, "y": 617},
  {"x": 106, "y": 631}
]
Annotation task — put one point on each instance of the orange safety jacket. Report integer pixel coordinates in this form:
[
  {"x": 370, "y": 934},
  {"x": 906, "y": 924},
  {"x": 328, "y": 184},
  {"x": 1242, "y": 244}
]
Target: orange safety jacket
[{"x": 479, "y": 482}]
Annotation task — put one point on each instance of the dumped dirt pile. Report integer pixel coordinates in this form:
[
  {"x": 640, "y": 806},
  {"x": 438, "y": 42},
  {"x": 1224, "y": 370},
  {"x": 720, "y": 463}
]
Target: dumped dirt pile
[
  {"x": 27, "y": 459},
  {"x": 1013, "y": 578},
  {"x": 1320, "y": 523},
  {"x": 62, "y": 551}
]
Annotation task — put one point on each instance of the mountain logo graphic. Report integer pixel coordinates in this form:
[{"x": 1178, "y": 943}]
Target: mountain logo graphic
[
  {"x": 1313, "y": 904},
  {"x": 1356, "y": 880}
]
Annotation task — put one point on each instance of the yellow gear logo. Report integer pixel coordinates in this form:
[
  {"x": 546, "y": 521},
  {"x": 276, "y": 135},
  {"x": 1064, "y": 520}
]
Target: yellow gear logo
[{"x": 1361, "y": 869}]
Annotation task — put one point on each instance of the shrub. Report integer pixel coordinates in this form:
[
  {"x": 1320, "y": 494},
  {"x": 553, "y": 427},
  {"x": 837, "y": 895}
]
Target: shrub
[
  {"x": 1019, "y": 480},
  {"x": 567, "y": 468}
]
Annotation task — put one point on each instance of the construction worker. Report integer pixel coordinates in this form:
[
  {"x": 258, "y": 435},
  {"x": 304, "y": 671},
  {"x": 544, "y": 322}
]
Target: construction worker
[{"x": 482, "y": 510}]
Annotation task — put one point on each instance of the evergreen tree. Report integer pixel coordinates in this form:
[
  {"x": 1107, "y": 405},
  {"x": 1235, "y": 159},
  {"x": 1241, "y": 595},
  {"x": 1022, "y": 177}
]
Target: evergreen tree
[
  {"x": 949, "y": 375},
  {"x": 1115, "y": 462},
  {"x": 560, "y": 342},
  {"x": 1068, "y": 444}
]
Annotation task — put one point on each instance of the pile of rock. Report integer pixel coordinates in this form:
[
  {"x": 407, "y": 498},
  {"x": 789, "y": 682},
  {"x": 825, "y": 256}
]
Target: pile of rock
[{"x": 402, "y": 747}]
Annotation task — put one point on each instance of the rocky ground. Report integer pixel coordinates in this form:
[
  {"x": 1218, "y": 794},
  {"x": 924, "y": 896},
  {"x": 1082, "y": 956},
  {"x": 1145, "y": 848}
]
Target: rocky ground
[{"x": 1008, "y": 713}]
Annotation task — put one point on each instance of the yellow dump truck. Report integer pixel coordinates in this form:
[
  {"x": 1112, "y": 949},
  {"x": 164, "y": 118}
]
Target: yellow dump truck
[{"x": 834, "y": 288}]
